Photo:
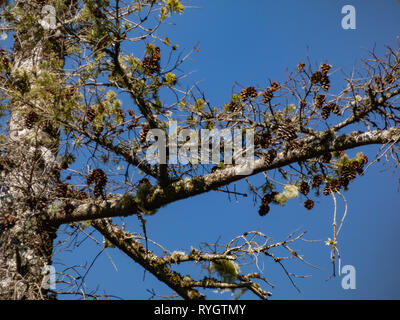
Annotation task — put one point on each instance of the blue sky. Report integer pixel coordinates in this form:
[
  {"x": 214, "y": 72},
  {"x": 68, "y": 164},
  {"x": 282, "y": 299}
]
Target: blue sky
[{"x": 251, "y": 42}]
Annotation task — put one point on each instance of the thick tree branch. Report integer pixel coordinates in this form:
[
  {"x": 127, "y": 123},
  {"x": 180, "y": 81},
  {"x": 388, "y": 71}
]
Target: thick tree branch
[
  {"x": 124, "y": 206},
  {"x": 147, "y": 260}
]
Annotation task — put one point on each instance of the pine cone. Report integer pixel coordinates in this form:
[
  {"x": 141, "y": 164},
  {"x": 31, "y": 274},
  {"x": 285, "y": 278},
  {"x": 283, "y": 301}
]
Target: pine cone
[
  {"x": 332, "y": 186},
  {"x": 90, "y": 114},
  {"x": 325, "y": 68},
  {"x": 274, "y": 86},
  {"x": 270, "y": 156},
  {"x": 264, "y": 209},
  {"x": 325, "y": 112},
  {"x": 300, "y": 66},
  {"x": 143, "y": 133},
  {"x": 364, "y": 159},
  {"x": 249, "y": 92},
  {"x": 97, "y": 176},
  {"x": 320, "y": 100},
  {"x": 304, "y": 188},
  {"x": 317, "y": 180},
  {"x": 309, "y": 204},
  {"x": 316, "y": 77},
  {"x": 151, "y": 64},
  {"x": 286, "y": 131},
  {"x": 348, "y": 173},
  {"x": 344, "y": 182},
  {"x": 268, "y": 95},
  {"x": 325, "y": 83}
]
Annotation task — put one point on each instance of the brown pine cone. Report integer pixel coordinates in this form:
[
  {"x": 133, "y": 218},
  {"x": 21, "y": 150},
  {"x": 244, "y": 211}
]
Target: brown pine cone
[{"x": 309, "y": 204}]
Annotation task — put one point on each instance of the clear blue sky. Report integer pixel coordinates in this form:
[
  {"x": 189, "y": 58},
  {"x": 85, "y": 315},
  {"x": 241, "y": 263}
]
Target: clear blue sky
[{"x": 251, "y": 42}]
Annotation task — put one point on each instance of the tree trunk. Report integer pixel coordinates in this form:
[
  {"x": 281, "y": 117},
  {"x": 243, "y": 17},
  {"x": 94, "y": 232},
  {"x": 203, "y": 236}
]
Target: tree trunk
[{"x": 30, "y": 173}]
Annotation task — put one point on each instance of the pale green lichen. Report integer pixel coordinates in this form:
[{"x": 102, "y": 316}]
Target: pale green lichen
[
  {"x": 289, "y": 192},
  {"x": 228, "y": 270}
]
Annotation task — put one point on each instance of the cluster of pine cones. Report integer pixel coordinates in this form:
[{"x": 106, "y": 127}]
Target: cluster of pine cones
[
  {"x": 321, "y": 77},
  {"x": 99, "y": 178},
  {"x": 347, "y": 174},
  {"x": 248, "y": 93},
  {"x": 151, "y": 64}
]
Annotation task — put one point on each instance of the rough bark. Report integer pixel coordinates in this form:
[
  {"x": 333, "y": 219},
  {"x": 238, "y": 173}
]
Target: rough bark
[{"x": 26, "y": 240}]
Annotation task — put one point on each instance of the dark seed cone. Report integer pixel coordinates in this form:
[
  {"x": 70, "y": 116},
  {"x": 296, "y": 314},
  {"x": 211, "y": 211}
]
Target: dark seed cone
[
  {"x": 319, "y": 101},
  {"x": 268, "y": 95},
  {"x": 264, "y": 209},
  {"x": 286, "y": 131},
  {"x": 316, "y": 77},
  {"x": 317, "y": 181},
  {"x": 143, "y": 134},
  {"x": 325, "y": 83},
  {"x": 332, "y": 186},
  {"x": 365, "y": 159},
  {"x": 90, "y": 114},
  {"x": 300, "y": 67},
  {"x": 274, "y": 86},
  {"x": 304, "y": 188},
  {"x": 325, "y": 112},
  {"x": 99, "y": 178},
  {"x": 270, "y": 156},
  {"x": 325, "y": 68},
  {"x": 151, "y": 64},
  {"x": 356, "y": 164},
  {"x": 249, "y": 92},
  {"x": 344, "y": 182},
  {"x": 31, "y": 118},
  {"x": 360, "y": 171},
  {"x": 309, "y": 204},
  {"x": 348, "y": 173}
]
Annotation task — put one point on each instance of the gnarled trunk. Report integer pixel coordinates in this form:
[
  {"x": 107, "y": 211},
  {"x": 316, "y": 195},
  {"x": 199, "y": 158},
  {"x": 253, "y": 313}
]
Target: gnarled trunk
[{"x": 29, "y": 176}]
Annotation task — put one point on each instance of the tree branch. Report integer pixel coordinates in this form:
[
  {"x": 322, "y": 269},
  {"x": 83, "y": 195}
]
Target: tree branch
[{"x": 183, "y": 189}]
